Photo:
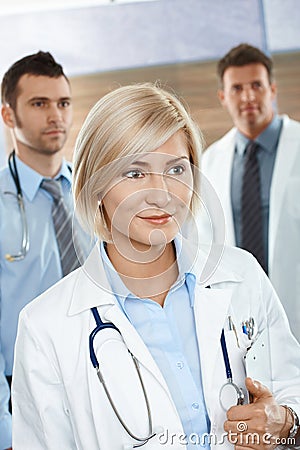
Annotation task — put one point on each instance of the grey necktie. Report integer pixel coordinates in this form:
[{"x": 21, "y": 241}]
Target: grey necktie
[
  {"x": 62, "y": 221},
  {"x": 252, "y": 225}
]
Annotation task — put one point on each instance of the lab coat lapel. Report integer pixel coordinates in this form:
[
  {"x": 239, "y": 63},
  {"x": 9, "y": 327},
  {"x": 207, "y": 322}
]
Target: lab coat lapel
[
  {"x": 288, "y": 143},
  {"x": 134, "y": 342},
  {"x": 92, "y": 290},
  {"x": 211, "y": 307}
]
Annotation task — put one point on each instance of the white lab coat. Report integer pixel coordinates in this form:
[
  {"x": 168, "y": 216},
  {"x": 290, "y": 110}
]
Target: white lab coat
[
  {"x": 284, "y": 214},
  {"x": 58, "y": 401}
]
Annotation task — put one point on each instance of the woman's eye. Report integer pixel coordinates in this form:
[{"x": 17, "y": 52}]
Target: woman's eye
[
  {"x": 135, "y": 173},
  {"x": 177, "y": 170}
]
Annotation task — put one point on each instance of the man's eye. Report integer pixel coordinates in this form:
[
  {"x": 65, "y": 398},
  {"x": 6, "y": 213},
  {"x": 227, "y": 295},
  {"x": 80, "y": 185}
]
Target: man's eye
[
  {"x": 256, "y": 85},
  {"x": 134, "y": 173},
  {"x": 176, "y": 170},
  {"x": 65, "y": 104},
  {"x": 38, "y": 104},
  {"x": 236, "y": 88}
]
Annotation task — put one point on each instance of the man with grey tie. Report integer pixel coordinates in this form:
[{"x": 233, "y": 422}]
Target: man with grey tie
[
  {"x": 37, "y": 241},
  {"x": 255, "y": 171}
]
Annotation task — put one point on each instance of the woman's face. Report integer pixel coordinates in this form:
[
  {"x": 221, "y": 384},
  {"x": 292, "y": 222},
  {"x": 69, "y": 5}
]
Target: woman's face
[{"x": 148, "y": 203}]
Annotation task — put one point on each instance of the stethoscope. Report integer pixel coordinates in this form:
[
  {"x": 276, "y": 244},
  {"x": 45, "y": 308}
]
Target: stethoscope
[
  {"x": 230, "y": 393},
  {"x": 108, "y": 325},
  {"x": 25, "y": 235},
  {"x": 24, "y": 224}
]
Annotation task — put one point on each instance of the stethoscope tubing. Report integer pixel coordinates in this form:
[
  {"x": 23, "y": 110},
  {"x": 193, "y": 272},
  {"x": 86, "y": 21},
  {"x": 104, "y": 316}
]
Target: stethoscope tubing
[
  {"x": 25, "y": 233},
  {"x": 109, "y": 325},
  {"x": 229, "y": 383},
  {"x": 226, "y": 357}
]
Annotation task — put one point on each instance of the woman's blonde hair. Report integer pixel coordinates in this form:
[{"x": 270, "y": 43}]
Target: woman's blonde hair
[{"x": 128, "y": 121}]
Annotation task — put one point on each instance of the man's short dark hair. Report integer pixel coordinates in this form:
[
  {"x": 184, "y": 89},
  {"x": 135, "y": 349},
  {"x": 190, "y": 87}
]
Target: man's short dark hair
[
  {"x": 242, "y": 55},
  {"x": 40, "y": 63}
]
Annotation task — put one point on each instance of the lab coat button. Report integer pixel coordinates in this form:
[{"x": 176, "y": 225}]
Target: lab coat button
[
  {"x": 180, "y": 364},
  {"x": 195, "y": 405}
]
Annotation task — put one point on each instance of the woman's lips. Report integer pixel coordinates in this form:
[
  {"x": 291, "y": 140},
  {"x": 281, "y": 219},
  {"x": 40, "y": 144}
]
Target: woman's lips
[{"x": 157, "y": 220}]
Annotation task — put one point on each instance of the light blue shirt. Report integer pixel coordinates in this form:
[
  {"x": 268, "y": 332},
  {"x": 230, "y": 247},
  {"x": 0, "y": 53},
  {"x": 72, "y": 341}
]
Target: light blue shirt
[
  {"x": 22, "y": 281},
  {"x": 169, "y": 333},
  {"x": 5, "y": 417},
  {"x": 266, "y": 155}
]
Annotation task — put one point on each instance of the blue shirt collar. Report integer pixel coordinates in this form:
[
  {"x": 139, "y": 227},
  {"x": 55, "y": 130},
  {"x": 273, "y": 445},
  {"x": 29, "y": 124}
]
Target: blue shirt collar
[
  {"x": 122, "y": 292},
  {"x": 30, "y": 180},
  {"x": 268, "y": 139}
]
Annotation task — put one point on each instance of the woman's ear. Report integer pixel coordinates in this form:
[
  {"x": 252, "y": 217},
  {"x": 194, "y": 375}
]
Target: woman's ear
[
  {"x": 8, "y": 116},
  {"x": 99, "y": 198}
]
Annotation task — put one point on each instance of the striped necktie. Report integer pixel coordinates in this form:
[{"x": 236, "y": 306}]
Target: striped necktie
[
  {"x": 62, "y": 221},
  {"x": 251, "y": 208}
]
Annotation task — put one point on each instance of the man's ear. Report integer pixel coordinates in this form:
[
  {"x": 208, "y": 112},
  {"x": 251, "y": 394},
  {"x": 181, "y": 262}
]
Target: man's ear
[
  {"x": 221, "y": 96},
  {"x": 8, "y": 116},
  {"x": 273, "y": 90}
]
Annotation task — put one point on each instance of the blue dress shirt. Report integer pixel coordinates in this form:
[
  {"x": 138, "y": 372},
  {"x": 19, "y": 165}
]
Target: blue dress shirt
[
  {"x": 22, "y": 281},
  {"x": 5, "y": 417},
  {"x": 266, "y": 154},
  {"x": 169, "y": 333}
]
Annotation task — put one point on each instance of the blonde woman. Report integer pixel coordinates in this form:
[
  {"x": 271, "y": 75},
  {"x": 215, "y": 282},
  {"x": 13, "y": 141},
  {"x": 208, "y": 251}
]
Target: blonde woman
[{"x": 145, "y": 344}]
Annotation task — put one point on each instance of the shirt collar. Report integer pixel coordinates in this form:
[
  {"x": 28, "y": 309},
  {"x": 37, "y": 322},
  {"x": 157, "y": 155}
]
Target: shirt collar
[
  {"x": 122, "y": 292},
  {"x": 30, "y": 180},
  {"x": 268, "y": 139}
]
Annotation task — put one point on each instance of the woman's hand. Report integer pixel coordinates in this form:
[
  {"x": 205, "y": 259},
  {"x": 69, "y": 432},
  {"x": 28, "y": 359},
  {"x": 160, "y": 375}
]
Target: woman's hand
[{"x": 259, "y": 425}]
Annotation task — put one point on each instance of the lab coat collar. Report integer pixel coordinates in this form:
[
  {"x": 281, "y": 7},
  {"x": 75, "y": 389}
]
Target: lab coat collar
[{"x": 92, "y": 288}]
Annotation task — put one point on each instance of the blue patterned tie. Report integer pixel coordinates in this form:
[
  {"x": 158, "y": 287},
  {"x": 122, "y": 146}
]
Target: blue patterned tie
[
  {"x": 62, "y": 221},
  {"x": 251, "y": 208}
]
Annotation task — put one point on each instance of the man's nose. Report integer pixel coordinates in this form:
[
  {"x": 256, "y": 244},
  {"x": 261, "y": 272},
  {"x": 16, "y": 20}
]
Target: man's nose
[
  {"x": 248, "y": 93},
  {"x": 54, "y": 113}
]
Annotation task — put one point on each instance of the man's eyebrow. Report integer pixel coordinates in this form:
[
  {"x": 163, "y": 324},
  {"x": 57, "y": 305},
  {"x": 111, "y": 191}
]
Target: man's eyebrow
[
  {"x": 34, "y": 99},
  {"x": 47, "y": 99}
]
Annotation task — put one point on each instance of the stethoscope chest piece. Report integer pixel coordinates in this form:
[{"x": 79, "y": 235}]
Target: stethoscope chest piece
[{"x": 231, "y": 395}]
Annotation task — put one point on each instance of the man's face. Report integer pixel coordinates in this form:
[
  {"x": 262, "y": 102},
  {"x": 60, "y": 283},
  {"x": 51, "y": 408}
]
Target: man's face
[
  {"x": 43, "y": 114},
  {"x": 248, "y": 96}
]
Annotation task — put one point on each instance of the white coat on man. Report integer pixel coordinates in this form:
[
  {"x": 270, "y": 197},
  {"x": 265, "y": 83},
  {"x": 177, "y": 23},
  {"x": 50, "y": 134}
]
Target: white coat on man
[
  {"x": 284, "y": 212},
  {"x": 58, "y": 400}
]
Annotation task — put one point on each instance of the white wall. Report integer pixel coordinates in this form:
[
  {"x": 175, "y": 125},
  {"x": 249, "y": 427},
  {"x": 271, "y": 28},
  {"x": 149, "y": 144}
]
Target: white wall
[
  {"x": 87, "y": 36},
  {"x": 282, "y": 23},
  {"x": 117, "y": 36},
  {"x": 25, "y": 6}
]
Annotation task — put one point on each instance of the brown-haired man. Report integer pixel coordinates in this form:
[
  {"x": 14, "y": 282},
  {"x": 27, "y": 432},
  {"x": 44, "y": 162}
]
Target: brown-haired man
[
  {"x": 35, "y": 190},
  {"x": 259, "y": 191}
]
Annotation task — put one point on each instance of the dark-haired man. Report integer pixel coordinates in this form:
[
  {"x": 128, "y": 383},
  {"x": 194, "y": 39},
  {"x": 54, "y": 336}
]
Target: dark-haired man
[
  {"x": 35, "y": 189},
  {"x": 255, "y": 170}
]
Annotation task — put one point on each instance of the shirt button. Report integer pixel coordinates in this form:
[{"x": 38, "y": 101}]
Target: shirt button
[
  {"x": 195, "y": 405},
  {"x": 180, "y": 364}
]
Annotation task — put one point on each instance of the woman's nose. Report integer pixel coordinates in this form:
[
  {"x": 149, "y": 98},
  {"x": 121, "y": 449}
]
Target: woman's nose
[{"x": 158, "y": 193}]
